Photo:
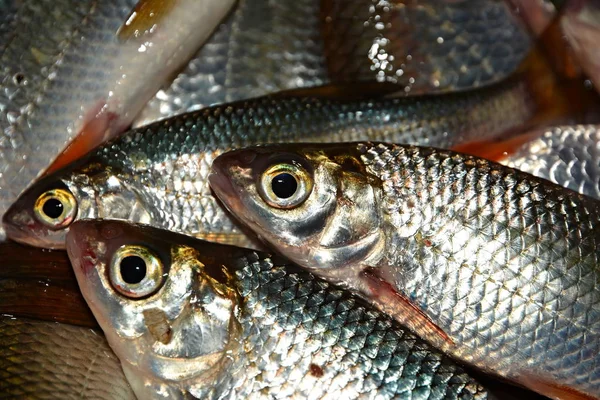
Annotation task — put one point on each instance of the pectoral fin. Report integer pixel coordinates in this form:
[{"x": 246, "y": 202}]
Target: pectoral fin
[{"x": 403, "y": 309}]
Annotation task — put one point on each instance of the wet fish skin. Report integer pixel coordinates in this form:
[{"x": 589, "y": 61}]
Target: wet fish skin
[
  {"x": 245, "y": 325},
  {"x": 496, "y": 267},
  {"x": 158, "y": 174},
  {"x": 424, "y": 46},
  {"x": 65, "y": 72},
  {"x": 263, "y": 47},
  {"x": 46, "y": 360},
  {"x": 566, "y": 155}
]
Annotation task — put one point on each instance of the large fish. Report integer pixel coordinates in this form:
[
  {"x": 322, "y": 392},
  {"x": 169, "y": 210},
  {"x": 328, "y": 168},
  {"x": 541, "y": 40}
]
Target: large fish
[
  {"x": 77, "y": 72},
  {"x": 158, "y": 174},
  {"x": 193, "y": 319},
  {"x": 494, "y": 266}
]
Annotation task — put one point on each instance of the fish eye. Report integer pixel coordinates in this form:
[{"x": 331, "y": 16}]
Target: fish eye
[
  {"x": 56, "y": 208},
  {"x": 135, "y": 271},
  {"x": 285, "y": 185}
]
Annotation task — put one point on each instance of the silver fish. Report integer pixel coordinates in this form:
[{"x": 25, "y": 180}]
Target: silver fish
[
  {"x": 566, "y": 155},
  {"x": 193, "y": 319},
  {"x": 47, "y": 360},
  {"x": 158, "y": 174},
  {"x": 266, "y": 46},
  {"x": 70, "y": 76},
  {"x": 494, "y": 266}
]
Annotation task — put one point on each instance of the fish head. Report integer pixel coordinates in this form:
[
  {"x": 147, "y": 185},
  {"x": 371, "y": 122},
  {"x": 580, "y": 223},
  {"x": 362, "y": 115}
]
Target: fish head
[
  {"x": 169, "y": 312},
  {"x": 43, "y": 214},
  {"x": 316, "y": 204}
]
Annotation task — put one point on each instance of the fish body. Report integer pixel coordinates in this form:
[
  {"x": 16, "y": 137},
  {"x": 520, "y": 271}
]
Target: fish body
[
  {"x": 266, "y": 46},
  {"x": 48, "y": 360},
  {"x": 158, "y": 174},
  {"x": 496, "y": 267},
  {"x": 209, "y": 321},
  {"x": 566, "y": 155},
  {"x": 261, "y": 48},
  {"x": 69, "y": 78},
  {"x": 424, "y": 46}
]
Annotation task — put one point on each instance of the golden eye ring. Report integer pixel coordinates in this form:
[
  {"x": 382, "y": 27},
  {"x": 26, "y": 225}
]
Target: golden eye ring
[
  {"x": 135, "y": 271},
  {"x": 285, "y": 185},
  {"x": 56, "y": 208}
]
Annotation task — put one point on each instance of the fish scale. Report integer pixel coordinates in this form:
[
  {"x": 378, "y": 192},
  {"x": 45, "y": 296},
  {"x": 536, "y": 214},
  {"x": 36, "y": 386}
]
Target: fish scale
[
  {"x": 298, "y": 336},
  {"x": 556, "y": 297},
  {"x": 46, "y": 360},
  {"x": 158, "y": 174},
  {"x": 496, "y": 267}
]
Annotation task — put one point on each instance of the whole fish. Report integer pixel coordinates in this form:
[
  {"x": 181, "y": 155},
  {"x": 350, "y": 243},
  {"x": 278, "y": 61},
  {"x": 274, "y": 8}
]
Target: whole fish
[
  {"x": 425, "y": 46},
  {"x": 158, "y": 174},
  {"x": 48, "y": 360},
  {"x": 77, "y": 72},
  {"x": 496, "y": 267},
  {"x": 193, "y": 319}
]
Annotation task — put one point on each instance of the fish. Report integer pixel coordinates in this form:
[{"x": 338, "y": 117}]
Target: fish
[
  {"x": 189, "y": 318},
  {"x": 48, "y": 360},
  {"x": 425, "y": 46},
  {"x": 158, "y": 174},
  {"x": 494, "y": 266},
  {"x": 74, "y": 74},
  {"x": 566, "y": 155},
  {"x": 267, "y": 46},
  {"x": 262, "y": 47}
]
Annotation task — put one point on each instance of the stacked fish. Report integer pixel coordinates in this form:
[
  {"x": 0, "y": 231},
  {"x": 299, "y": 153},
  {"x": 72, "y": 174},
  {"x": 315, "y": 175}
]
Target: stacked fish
[{"x": 313, "y": 209}]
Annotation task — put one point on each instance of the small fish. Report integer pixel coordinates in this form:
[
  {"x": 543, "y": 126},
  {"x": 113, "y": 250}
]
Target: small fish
[
  {"x": 69, "y": 80},
  {"x": 193, "y": 319},
  {"x": 47, "y": 360},
  {"x": 494, "y": 266},
  {"x": 158, "y": 174}
]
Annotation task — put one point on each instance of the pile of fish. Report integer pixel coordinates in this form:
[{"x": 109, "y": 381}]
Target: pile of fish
[{"x": 332, "y": 199}]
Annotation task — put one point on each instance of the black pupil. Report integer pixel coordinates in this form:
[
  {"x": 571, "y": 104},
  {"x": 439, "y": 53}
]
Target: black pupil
[
  {"x": 284, "y": 185},
  {"x": 53, "y": 208},
  {"x": 133, "y": 269}
]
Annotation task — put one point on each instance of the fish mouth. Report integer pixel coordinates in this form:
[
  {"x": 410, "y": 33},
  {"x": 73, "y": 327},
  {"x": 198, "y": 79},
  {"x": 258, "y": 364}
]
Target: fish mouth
[
  {"x": 30, "y": 233},
  {"x": 81, "y": 243}
]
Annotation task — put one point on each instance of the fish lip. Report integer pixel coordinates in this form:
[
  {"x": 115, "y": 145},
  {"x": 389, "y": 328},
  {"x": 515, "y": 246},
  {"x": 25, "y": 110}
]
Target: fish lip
[{"x": 79, "y": 246}]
